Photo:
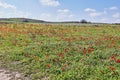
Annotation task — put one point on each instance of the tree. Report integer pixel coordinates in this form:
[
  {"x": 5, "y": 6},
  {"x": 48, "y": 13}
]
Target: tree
[
  {"x": 25, "y": 20},
  {"x": 83, "y": 21}
]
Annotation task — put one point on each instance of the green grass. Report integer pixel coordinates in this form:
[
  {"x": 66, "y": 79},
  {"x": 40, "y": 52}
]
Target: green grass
[{"x": 61, "y": 52}]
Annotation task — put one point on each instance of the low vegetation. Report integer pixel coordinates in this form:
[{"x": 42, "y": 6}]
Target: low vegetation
[{"x": 61, "y": 52}]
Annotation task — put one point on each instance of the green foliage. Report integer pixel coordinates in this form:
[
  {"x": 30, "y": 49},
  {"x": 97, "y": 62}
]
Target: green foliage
[{"x": 61, "y": 52}]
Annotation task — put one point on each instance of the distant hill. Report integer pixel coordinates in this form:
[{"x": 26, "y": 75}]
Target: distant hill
[
  {"x": 27, "y": 20},
  {"x": 21, "y": 20}
]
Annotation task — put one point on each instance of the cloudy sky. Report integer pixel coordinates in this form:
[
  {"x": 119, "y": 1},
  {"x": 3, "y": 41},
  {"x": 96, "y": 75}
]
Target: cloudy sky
[{"x": 62, "y": 10}]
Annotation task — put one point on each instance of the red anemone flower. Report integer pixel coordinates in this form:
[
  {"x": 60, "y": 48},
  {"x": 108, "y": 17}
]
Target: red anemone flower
[
  {"x": 112, "y": 68},
  {"x": 118, "y": 61},
  {"x": 48, "y": 65}
]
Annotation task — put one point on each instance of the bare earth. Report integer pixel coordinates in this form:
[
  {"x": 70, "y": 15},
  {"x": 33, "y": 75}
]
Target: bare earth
[{"x": 7, "y": 75}]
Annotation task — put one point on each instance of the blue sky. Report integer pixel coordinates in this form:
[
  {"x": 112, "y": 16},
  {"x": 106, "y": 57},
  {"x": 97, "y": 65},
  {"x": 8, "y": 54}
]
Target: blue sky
[{"x": 62, "y": 10}]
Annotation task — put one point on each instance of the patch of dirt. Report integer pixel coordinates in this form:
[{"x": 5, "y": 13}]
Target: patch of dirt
[{"x": 8, "y": 75}]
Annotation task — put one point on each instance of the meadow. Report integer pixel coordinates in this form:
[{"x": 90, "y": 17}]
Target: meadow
[{"x": 61, "y": 52}]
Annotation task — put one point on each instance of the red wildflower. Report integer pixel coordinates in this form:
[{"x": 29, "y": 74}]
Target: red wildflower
[
  {"x": 84, "y": 51},
  {"x": 113, "y": 42},
  {"x": 112, "y": 68},
  {"x": 69, "y": 44},
  {"x": 61, "y": 55},
  {"x": 113, "y": 57},
  {"x": 37, "y": 58},
  {"x": 33, "y": 56},
  {"x": 90, "y": 50},
  {"x": 66, "y": 50},
  {"x": 115, "y": 73},
  {"x": 64, "y": 66},
  {"x": 118, "y": 61},
  {"x": 55, "y": 60},
  {"x": 48, "y": 65}
]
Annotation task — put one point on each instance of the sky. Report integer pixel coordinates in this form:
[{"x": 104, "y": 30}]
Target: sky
[{"x": 105, "y": 11}]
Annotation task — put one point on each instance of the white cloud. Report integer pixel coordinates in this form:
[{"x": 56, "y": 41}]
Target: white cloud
[
  {"x": 105, "y": 12},
  {"x": 116, "y": 15},
  {"x": 117, "y": 21},
  {"x": 104, "y": 19},
  {"x": 109, "y": 20},
  {"x": 20, "y": 14},
  {"x": 113, "y": 8},
  {"x": 71, "y": 16},
  {"x": 5, "y": 5},
  {"x": 10, "y": 11},
  {"x": 63, "y": 10},
  {"x": 60, "y": 15},
  {"x": 45, "y": 16},
  {"x": 89, "y": 10},
  {"x": 53, "y": 3},
  {"x": 1, "y": 14},
  {"x": 95, "y": 14},
  {"x": 14, "y": 13},
  {"x": 64, "y": 14}
]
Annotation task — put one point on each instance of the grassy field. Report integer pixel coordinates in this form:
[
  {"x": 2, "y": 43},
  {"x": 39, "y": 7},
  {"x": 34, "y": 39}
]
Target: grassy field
[{"x": 61, "y": 52}]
